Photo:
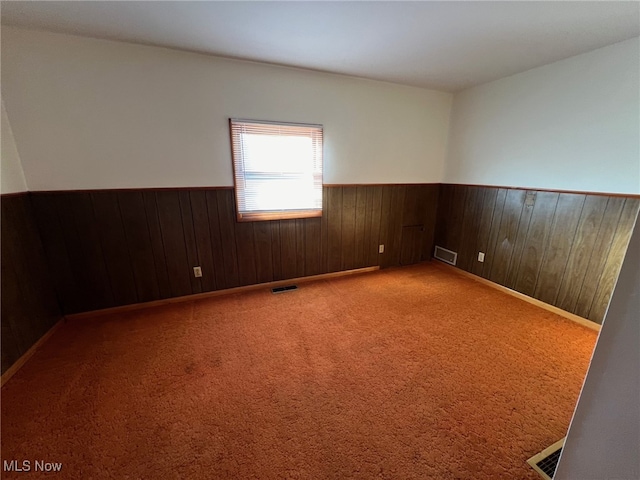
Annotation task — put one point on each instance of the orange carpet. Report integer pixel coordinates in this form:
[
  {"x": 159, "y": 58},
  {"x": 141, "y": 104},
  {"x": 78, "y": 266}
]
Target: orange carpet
[{"x": 409, "y": 373}]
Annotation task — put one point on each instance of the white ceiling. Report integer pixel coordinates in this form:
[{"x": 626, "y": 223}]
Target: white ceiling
[{"x": 442, "y": 45}]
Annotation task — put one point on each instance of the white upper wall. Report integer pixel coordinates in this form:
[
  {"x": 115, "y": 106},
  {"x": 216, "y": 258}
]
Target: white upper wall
[
  {"x": 11, "y": 174},
  {"x": 569, "y": 125},
  {"x": 91, "y": 114}
]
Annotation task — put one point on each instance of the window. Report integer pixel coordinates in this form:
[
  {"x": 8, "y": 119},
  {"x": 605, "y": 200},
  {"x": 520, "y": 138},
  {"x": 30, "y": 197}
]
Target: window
[{"x": 277, "y": 169}]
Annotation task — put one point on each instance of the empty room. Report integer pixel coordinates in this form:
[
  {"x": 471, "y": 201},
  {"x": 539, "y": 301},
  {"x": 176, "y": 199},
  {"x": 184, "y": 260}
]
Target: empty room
[{"x": 320, "y": 240}]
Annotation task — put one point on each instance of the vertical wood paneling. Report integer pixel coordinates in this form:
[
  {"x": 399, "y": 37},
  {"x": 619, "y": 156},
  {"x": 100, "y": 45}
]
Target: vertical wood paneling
[
  {"x": 79, "y": 254},
  {"x": 456, "y": 216},
  {"x": 46, "y": 216},
  {"x": 312, "y": 246},
  {"x": 385, "y": 227},
  {"x": 563, "y": 231},
  {"x": 410, "y": 248},
  {"x": 29, "y": 256},
  {"x": 507, "y": 232},
  {"x": 395, "y": 237},
  {"x": 119, "y": 247},
  {"x": 489, "y": 196},
  {"x": 348, "y": 228},
  {"x": 222, "y": 279},
  {"x": 29, "y": 306},
  {"x": 533, "y": 250},
  {"x": 521, "y": 238},
  {"x": 334, "y": 229},
  {"x": 114, "y": 247},
  {"x": 11, "y": 349},
  {"x": 171, "y": 227},
  {"x": 494, "y": 230},
  {"x": 189, "y": 240},
  {"x": 263, "y": 252},
  {"x": 64, "y": 205},
  {"x": 157, "y": 244},
  {"x": 443, "y": 216},
  {"x": 414, "y": 208},
  {"x": 300, "y": 247},
  {"x": 276, "y": 249},
  {"x": 583, "y": 244},
  {"x": 226, "y": 221},
  {"x": 324, "y": 233},
  {"x": 203, "y": 239},
  {"x": 470, "y": 227},
  {"x": 565, "y": 249},
  {"x": 418, "y": 218},
  {"x": 98, "y": 277},
  {"x": 373, "y": 215},
  {"x": 598, "y": 260},
  {"x": 429, "y": 198},
  {"x": 614, "y": 260},
  {"x": 246, "y": 253},
  {"x": 361, "y": 232},
  {"x": 288, "y": 245},
  {"x": 16, "y": 309},
  {"x": 136, "y": 229}
]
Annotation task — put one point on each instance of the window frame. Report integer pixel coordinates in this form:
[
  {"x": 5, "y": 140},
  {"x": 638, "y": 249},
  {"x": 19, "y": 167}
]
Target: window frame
[{"x": 264, "y": 215}]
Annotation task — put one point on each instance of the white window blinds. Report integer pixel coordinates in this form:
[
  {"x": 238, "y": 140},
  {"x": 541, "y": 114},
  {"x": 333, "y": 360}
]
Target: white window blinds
[{"x": 277, "y": 169}]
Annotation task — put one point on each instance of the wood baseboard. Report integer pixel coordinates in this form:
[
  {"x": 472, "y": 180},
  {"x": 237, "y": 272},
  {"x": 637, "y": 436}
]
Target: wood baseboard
[
  {"x": 550, "y": 308},
  {"x": 217, "y": 293},
  {"x": 11, "y": 371}
]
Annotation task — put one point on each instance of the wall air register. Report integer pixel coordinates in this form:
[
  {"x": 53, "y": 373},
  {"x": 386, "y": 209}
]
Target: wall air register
[
  {"x": 287, "y": 288},
  {"x": 445, "y": 255},
  {"x": 546, "y": 462}
]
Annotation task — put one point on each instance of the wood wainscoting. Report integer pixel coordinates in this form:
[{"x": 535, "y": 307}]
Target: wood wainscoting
[
  {"x": 72, "y": 252},
  {"x": 29, "y": 304},
  {"x": 117, "y": 247},
  {"x": 562, "y": 248}
]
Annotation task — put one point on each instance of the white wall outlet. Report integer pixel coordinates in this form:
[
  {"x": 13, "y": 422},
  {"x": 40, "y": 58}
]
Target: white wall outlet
[
  {"x": 197, "y": 272},
  {"x": 381, "y": 249},
  {"x": 481, "y": 256}
]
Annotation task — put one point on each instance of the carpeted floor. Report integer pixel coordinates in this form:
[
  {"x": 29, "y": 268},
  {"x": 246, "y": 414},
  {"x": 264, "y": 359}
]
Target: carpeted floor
[{"x": 410, "y": 373}]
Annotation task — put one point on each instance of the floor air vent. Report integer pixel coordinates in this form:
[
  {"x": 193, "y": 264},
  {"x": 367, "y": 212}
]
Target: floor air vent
[
  {"x": 546, "y": 461},
  {"x": 446, "y": 255},
  {"x": 288, "y": 288}
]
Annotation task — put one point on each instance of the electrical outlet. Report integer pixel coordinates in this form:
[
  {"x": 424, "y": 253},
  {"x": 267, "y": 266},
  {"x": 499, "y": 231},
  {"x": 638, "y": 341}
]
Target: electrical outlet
[
  {"x": 481, "y": 256},
  {"x": 381, "y": 249},
  {"x": 197, "y": 272}
]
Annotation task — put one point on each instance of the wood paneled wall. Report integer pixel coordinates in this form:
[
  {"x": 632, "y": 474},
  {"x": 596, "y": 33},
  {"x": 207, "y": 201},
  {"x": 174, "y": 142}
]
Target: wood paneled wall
[
  {"x": 29, "y": 305},
  {"x": 562, "y": 248},
  {"x": 110, "y": 248}
]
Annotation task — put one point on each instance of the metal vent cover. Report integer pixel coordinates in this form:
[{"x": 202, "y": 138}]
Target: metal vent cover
[
  {"x": 445, "y": 255},
  {"x": 546, "y": 462},
  {"x": 286, "y": 288}
]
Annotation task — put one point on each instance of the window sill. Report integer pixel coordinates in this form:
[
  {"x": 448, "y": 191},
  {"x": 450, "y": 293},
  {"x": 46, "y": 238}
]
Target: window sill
[{"x": 280, "y": 215}]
